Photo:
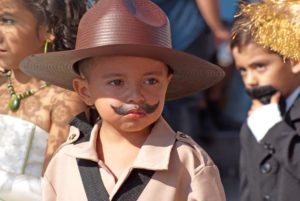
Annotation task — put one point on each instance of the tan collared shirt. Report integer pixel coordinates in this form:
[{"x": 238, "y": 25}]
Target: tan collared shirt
[{"x": 183, "y": 171}]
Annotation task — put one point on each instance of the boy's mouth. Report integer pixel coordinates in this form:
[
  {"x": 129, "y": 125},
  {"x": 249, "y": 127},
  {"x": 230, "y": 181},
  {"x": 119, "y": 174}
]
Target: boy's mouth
[{"x": 136, "y": 111}]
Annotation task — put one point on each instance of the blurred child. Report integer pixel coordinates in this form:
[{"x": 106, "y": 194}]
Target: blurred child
[{"x": 266, "y": 49}]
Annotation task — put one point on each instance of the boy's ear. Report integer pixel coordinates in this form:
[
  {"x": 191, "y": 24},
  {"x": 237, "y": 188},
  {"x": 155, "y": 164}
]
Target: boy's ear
[
  {"x": 295, "y": 66},
  {"x": 170, "y": 77},
  {"x": 81, "y": 87}
]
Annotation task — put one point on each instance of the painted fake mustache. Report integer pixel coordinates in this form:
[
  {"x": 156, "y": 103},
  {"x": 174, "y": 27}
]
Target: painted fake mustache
[
  {"x": 263, "y": 93},
  {"x": 128, "y": 108}
]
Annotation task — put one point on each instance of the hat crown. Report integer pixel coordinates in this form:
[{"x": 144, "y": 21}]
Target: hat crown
[{"x": 115, "y": 22}]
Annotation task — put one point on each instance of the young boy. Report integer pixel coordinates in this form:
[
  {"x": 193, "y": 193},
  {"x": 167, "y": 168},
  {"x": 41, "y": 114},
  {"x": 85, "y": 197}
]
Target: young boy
[
  {"x": 267, "y": 55},
  {"x": 124, "y": 66}
]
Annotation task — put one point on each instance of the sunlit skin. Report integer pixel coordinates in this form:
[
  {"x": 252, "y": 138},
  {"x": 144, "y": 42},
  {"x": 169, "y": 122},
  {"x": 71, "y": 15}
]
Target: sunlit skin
[
  {"x": 50, "y": 108},
  {"x": 115, "y": 81},
  {"x": 18, "y": 28},
  {"x": 259, "y": 67}
]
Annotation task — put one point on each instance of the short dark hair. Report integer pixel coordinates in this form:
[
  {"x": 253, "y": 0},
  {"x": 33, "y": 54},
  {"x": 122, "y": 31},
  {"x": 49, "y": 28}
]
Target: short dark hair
[
  {"x": 81, "y": 67},
  {"x": 241, "y": 34}
]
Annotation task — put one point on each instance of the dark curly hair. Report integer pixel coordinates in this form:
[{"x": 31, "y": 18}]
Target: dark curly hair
[{"x": 62, "y": 18}]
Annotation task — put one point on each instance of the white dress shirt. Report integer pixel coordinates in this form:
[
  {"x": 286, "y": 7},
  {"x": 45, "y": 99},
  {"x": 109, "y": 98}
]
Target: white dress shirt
[{"x": 265, "y": 117}]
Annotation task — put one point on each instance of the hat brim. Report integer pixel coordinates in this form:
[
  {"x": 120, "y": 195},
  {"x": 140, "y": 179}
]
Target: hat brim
[{"x": 191, "y": 74}]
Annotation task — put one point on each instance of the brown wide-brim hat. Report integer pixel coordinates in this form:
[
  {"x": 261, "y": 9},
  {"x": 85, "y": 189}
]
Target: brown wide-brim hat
[{"x": 125, "y": 28}]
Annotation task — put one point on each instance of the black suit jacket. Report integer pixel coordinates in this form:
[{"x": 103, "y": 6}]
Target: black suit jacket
[{"x": 270, "y": 170}]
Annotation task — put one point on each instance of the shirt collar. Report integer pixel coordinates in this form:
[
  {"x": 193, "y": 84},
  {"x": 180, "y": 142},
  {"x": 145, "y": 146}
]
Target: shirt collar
[
  {"x": 82, "y": 123},
  {"x": 83, "y": 150},
  {"x": 154, "y": 153},
  {"x": 291, "y": 99}
]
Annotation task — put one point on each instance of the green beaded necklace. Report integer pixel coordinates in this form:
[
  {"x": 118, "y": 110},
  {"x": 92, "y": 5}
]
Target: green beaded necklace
[{"x": 15, "y": 99}]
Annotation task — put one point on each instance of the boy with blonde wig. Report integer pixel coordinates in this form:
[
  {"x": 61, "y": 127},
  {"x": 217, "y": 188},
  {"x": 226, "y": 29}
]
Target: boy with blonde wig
[{"x": 266, "y": 49}]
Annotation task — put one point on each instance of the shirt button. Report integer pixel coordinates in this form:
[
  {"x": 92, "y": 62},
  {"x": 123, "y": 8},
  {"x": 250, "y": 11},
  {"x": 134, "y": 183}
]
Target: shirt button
[
  {"x": 269, "y": 147},
  {"x": 266, "y": 145},
  {"x": 182, "y": 135},
  {"x": 72, "y": 136},
  {"x": 267, "y": 198},
  {"x": 272, "y": 151},
  {"x": 265, "y": 168}
]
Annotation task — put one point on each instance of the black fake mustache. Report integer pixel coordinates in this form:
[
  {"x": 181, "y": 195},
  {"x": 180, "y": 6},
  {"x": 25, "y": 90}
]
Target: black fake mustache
[
  {"x": 126, "y": 108},
  {"x": 262, "y": 93}
]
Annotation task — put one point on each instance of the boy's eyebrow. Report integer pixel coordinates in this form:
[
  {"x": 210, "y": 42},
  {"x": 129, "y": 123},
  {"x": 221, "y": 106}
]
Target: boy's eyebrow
[
  {"x": 109, "y": 75},
  {"x": 154, "y": 73},
  {"x": 249, "y": 65},
  {"x": 254, "y": 63}
]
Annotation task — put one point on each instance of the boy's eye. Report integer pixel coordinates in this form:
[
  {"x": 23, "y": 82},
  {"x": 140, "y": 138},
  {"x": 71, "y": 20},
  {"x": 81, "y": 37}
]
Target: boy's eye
[
  {"x": 242, "y": 71},
  {"x": 151, "y": 81},
  {"x": 260, "y": 67},
  {"x": 116, "y": 82}
]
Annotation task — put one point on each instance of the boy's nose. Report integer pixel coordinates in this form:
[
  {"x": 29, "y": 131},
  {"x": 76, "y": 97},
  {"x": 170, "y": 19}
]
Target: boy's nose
[
  {"x": 136, "y": 96},
  {"x": 251, "y": 80}
]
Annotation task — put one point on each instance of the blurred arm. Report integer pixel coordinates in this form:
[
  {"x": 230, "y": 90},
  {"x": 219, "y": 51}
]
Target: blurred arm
[{"x": 211, "y": 14}]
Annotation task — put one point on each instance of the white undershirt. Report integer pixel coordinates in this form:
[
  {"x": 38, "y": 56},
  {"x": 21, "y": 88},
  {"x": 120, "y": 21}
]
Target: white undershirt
[{"x": 265, "y": 117}]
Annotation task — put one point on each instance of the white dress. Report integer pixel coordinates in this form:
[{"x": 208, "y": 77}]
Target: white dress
[{"x": 22, "y": 150}]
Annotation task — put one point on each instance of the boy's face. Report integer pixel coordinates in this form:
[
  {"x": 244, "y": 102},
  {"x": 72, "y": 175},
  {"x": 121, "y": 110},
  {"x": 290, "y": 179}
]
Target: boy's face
[
  {"x": 128, "y": 92},
  {"x": 260, "y": 67}
]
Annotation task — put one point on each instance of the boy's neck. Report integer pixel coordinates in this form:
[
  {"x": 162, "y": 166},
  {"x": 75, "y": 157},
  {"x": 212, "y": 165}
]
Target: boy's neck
[
  {"x": 108, "y": 134},
  {"x": 293, "y": 88},
  {"x": 118, "y": 150}
]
